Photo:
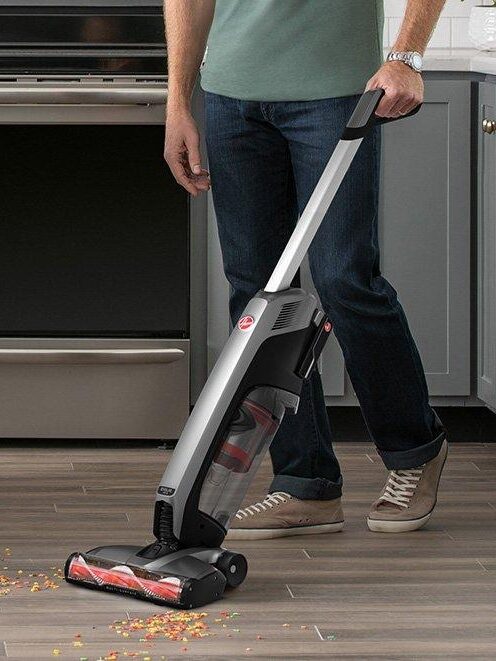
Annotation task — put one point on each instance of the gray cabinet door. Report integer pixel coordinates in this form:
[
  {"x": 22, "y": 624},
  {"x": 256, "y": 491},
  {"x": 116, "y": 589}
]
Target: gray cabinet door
[
  {"x": 425, "y": 230},
  {"x": 486, "y": 354},
  {"x": 425, "y": 234}
]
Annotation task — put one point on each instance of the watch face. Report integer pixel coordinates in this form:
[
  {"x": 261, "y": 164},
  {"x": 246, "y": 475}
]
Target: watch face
[{"x": 417, "y": 61}]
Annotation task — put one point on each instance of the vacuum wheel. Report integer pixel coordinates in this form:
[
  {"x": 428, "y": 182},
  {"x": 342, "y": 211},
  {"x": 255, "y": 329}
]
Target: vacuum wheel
[{"x": 233, "y": 566}]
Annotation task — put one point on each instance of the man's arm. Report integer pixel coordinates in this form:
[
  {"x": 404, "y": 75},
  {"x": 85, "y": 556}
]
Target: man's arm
[
  {"x": 404, "y": 87},
  {"x": 187, "y": 26}
]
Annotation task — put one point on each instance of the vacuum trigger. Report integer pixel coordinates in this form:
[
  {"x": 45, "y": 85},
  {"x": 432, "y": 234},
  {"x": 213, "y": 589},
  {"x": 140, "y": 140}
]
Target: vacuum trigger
[{"x": 322, "y": 331}]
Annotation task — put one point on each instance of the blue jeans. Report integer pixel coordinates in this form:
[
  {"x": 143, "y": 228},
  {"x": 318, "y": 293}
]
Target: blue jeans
[{"x": 265, "y": 160}]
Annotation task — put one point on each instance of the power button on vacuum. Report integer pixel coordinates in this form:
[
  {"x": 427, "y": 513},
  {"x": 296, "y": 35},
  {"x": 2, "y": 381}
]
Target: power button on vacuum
[{"x": 314, "y": 349}]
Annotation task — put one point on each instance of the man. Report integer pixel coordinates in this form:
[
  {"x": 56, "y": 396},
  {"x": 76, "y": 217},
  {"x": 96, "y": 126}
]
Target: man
[{"x": 281, "y": 79}]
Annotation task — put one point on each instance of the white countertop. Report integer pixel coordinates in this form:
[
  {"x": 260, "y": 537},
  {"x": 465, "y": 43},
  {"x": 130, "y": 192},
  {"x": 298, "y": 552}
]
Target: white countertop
[{"x": 460, "y": 59}]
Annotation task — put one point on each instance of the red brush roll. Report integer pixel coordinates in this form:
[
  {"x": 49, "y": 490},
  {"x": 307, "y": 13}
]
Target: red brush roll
[{"x": 92, "y": 571}]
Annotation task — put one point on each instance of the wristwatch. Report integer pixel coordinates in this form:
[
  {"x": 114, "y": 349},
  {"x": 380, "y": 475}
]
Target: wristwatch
[{"x": 411, "y": 58}]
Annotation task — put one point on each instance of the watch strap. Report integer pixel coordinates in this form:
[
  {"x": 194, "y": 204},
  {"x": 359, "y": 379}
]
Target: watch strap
[{"x": 407, "y": 57}]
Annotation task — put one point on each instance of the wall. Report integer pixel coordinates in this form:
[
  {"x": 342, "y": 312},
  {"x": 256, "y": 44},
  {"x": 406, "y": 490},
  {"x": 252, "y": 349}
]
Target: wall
[{"x": 452, "y": 30}]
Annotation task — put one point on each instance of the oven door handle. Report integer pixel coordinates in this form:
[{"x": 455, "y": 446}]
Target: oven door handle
[
  {"x": 83, "y": 95},
  {"x": 90, "y": 356}
]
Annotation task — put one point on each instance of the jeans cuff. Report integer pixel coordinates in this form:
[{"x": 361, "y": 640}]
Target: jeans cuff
[
  {"x": 412, "y": 458},
  {"x": 306, "y": 488}
]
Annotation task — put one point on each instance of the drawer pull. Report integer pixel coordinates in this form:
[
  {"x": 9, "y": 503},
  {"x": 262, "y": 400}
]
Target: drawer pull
[
  {"x": 489, "y": 126},
  {"x": 90, "y": 356},
  {"x": 82, "y": 95}
]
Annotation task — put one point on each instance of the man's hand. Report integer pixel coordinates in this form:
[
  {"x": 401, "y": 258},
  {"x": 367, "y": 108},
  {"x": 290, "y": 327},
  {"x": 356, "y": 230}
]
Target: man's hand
[
  {"x": 404, "y": 89},
  {"x": 182, "y": 152}
]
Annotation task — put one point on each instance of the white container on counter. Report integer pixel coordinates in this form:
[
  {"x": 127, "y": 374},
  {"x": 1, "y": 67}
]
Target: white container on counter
[{"x": 482, "y": 28}]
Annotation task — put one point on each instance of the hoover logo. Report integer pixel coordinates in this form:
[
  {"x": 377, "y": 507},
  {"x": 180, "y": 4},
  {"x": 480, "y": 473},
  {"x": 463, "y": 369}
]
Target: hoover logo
[{"x": 246, "y": 322}]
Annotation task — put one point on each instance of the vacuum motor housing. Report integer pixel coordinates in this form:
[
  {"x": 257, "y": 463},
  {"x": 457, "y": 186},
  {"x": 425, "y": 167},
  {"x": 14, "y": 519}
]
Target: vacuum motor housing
[{"x": 256, "y": 381}]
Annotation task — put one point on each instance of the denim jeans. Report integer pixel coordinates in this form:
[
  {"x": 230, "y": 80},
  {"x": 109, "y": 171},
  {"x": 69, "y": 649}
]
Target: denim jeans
[{"x": 265, "y": 160}]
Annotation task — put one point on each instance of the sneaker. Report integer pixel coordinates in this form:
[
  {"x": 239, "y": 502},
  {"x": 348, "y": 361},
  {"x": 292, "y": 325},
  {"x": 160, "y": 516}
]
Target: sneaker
[
  {"x": 409, "y": 497},
  {"x": 282, "y": 515}
]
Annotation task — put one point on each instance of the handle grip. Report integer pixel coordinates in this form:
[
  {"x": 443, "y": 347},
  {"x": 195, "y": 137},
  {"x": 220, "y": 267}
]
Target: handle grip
[{"x": 364, "y": 118}]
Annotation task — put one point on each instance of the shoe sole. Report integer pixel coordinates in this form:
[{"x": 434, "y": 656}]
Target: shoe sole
[
  {"x": 385, "y": 525},
  {"x": 274, "y": 533}
]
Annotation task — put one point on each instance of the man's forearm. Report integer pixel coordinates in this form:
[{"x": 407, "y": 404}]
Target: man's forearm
[
  {"x": 421, "y": 17},
  {"x": 187, "y": 25},
  {"x": 403, "y": 87}
]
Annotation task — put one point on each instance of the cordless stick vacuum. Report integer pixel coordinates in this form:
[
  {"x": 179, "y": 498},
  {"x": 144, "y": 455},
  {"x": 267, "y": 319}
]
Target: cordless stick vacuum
[{"x": 256, "y": 381}]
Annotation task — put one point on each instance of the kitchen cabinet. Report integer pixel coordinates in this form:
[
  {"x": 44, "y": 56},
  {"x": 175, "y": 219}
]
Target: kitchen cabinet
[
  {"x": 486, "y": 266},
  {"x": 425, "y": 236}
]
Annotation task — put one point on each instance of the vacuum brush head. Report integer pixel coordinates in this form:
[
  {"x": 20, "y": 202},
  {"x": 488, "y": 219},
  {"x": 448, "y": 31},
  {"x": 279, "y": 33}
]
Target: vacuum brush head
[{"x": 158, "y": 586}]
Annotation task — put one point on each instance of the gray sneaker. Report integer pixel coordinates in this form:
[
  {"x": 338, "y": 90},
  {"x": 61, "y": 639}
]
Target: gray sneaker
[
  {"x": 409, "y": 497},
  {"x": 282, "y": 515}
]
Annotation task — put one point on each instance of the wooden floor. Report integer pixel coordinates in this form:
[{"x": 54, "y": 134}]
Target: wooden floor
[{"x": 428, "y": 594}]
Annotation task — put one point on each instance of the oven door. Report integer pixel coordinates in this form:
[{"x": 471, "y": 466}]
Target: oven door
[{"x": 94, "y": 263}]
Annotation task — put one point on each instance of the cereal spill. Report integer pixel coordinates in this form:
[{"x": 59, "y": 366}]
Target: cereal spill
[
  {"x": 41, "y": 582},
  {"x": 173, "y": 625},
  {"x": 34, "y": 581}
]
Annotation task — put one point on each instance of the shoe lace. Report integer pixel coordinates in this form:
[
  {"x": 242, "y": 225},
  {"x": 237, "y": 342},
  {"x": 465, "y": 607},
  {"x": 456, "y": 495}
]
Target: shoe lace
[
  {"x": 272, "y": 500},
  {"x": 401, "y": 486}
]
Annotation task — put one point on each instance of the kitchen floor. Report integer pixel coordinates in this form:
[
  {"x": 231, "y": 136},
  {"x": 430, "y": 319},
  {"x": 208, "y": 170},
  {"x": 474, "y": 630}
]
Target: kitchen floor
[{"x": 429, "y": 594}]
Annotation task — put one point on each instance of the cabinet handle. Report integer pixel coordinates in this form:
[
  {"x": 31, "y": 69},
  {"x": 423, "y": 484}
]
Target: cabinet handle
[
  {"x": 89, "y": 356},
  {"x": 83, "y": 95},
  {"x": 489, "y": 126}
]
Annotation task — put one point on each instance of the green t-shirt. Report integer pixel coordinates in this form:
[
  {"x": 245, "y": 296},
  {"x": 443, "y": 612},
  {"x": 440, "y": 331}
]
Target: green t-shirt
[{"x": 292, "y": 50}]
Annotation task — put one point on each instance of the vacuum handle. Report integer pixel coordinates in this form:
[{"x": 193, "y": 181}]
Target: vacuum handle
[{"x": 364, "y": 118}]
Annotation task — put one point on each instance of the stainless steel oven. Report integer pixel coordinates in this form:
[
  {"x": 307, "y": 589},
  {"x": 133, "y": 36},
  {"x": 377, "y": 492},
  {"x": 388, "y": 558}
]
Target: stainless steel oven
[{"x": 97, "y": 283}]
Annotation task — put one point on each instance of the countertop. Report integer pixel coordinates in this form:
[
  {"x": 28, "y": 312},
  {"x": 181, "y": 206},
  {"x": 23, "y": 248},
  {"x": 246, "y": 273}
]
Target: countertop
[{"x": 460, "y": 59}]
